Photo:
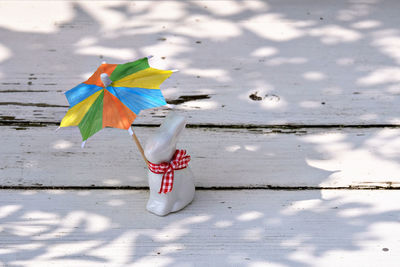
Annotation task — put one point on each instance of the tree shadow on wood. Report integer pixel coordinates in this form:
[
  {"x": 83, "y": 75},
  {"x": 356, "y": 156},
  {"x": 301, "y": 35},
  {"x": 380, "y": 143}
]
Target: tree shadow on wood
[
  {"x": 224, "y": 228},
  {"x": 291, "y": 63}
]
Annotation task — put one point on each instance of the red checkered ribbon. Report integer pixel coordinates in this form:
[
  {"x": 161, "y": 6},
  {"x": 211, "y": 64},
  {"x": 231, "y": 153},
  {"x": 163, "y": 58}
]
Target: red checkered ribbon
[{"x": 179, "y": 161}]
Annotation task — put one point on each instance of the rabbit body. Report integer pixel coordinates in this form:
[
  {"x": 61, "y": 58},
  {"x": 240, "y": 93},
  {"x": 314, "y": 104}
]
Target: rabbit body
[{"x": 160, "y": 148}]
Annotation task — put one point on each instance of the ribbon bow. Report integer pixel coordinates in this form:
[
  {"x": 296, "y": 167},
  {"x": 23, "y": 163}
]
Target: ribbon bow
[{"x": 179, "y": 161}]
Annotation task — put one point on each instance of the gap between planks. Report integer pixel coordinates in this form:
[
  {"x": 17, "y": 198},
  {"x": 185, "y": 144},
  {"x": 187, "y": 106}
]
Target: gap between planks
[
  {"x": 20, "y": 123},
  {"x": 202, "y": 188}
]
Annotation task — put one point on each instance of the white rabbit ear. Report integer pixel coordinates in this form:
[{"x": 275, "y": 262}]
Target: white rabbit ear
[
  {"x": 161, "y": 146},
  {"x": 174, "y": 124}
]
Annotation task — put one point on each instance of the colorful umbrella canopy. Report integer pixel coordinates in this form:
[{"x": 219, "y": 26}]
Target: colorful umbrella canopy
[{"x": 134, "y": 86}]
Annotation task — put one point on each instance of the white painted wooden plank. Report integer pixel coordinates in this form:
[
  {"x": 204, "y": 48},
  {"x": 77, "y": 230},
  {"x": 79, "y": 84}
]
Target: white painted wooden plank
[
  {"x": 220, "y": 157},
  {"x": 309, "y": 62},
  {"x": 220, "y": 228}
]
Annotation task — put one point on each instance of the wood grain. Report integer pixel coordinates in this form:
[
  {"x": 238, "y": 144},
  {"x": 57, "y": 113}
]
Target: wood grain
[
  {"x": 317, "y": 63},
  {"x": 245, "y": 66},
  {"x": 220, "y": 228},
  {"x": 39, "y": 156}
]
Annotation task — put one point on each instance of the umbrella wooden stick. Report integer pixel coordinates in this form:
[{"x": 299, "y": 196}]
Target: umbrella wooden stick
[{"x": 134, "y": 137}]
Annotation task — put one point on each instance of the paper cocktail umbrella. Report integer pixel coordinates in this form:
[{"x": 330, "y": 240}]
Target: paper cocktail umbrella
[{"x": 114, "y": 96}]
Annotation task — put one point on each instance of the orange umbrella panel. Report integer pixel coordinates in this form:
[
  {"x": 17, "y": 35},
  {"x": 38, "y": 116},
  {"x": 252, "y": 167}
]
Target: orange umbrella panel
[{"x": 115, "y": 113}]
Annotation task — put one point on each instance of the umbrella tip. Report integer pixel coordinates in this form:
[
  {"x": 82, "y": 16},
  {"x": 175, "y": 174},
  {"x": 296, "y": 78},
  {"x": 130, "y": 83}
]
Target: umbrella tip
[
  {"x": 174, "y": 70},
  {"x": 83, "y": 144},
  {"x": 105, "y": 79},
  {"x": 148, "y": 57},
  {"x": 170, "y": 106}
]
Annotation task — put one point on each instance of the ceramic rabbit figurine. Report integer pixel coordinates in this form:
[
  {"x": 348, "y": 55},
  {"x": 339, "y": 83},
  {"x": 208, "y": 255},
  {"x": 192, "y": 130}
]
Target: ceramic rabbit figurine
[{"x": 161, "y": 148}]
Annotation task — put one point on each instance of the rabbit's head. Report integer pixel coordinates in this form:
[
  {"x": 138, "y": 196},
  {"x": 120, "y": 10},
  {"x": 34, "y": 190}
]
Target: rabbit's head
[{"x": 162, "y": 145}]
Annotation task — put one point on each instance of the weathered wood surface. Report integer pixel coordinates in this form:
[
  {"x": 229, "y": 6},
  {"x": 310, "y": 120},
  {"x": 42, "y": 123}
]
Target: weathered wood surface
[
  {"x": 220, "y": 228},
  {"x": 241, "y": 62},
  {"x": 39, "y": 156}
]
